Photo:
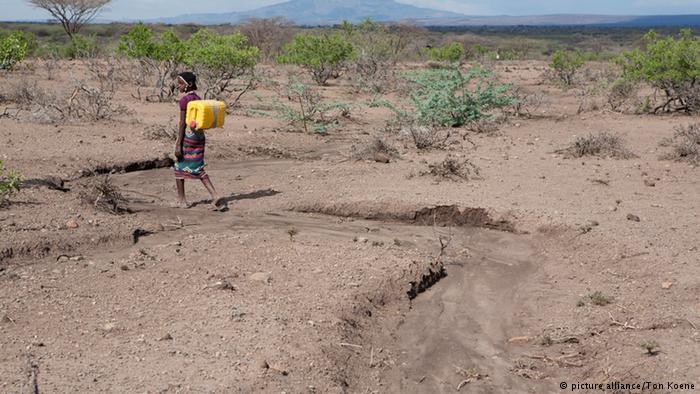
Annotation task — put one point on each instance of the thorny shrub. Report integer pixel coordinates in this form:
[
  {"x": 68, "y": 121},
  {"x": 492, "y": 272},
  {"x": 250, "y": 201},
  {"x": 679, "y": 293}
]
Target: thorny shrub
[
  {"x": 603, "y": 144},
  {"x": 305, "y": 107},
  {"x": 566, "y": 64},
  {"x": 163, "y": 131},
  {"x": 685, "y": 143},
  {"x": 454, "y": 169},
  {"x": 377, "y": 49},
  {"x": 377, "y": 149},
  {"x": 269, "y": 35},
  {"x": 9, "y": 183},
  {"x": 84, "y": 102},
  {"x": 102, "y": 194},
  {"x": 444, "y": 97}
]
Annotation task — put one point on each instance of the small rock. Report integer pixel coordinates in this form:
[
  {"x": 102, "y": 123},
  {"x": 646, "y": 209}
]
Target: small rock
[
  {"x": 264, "y": 365},
  {"x": 237, "y": 313},
  {"x": 649, "y": 183},
  {"x": 666, "y": 285},
  {"x": 5, "y": 319},
  {"x": 262, "y": 277},
  {"x": 363, "y": 240},
  {"x": 76, "y": 258},
  {"x": 109, "y": 327},
  {"x": 222, "y": 284},
  {"x": 518, "y": 339},
  {"x": 72, "y": 223},
  {"x": 166, "y": 337},
  {"x": 633, "y": 218},
  {"x": 382, "y": 158}
]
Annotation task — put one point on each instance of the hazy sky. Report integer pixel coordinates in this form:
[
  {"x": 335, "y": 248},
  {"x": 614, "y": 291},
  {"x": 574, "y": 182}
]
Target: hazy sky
[{"x": 145, "y": 9}]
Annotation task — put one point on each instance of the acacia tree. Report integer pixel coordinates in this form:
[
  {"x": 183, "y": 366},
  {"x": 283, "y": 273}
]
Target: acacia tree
[
  {"x": 671, "y": 65},
  {"x": 220, "y": 61},
  {"x": 72, "y": 14},
  {"x": 162, "y": 56},
  {"x": 322, "y": 55}
]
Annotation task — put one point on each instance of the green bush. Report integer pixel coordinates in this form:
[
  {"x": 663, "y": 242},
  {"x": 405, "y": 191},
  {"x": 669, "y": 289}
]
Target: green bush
[
  {"x": 13, "y": 49},
  {"x": 669, "y": 65},
  {"x": 443, "y": 97},
  {"x": 25, "y": 36},
  {"x": 9, "y": 183},
  {"x": 219, "y": 60},
  {"x": 480, "y": 51},
  {"x": 322, "y": 55},
  {"x": 566, "y": 64},
  {"x": 161, "y": 56},
  {"x": 451, "y": 53},
  {"x": 80, "y": 47}
]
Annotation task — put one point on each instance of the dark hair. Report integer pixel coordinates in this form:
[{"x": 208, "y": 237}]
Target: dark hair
[{"x": 190, "y": 79}]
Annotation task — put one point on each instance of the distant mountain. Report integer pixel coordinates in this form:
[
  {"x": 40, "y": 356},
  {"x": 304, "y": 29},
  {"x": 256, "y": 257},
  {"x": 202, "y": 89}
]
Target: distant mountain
[
  {"x": 321, "y": 12},
  {"x": 567, "y": 20},
  {"x": 330, "y": 12}
]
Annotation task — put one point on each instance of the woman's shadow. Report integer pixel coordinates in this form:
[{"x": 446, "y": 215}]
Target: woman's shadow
[{"x": 236, "y": 197}]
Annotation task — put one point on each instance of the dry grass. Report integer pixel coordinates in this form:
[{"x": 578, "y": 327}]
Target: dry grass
[
  {"x": 600, "y": 299},
  {"x": 83, "y": 102},
  {"x": 377, "y": 149},
  {"x": 425, "y": 137},
  {"x": 453, "y": 169},
  {"x": 685, "y": 143},
  {"x": 102, "y": 194},
  {"x": 603, "y": 144},
  {"x": 162, "y": 132}
]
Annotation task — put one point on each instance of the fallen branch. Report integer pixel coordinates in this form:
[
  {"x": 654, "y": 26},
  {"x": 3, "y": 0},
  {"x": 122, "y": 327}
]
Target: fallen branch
[
  {"x": 625, "y": 325},
  {"x": 343, "y": 344},
  {"x": 561, "y": 360}
]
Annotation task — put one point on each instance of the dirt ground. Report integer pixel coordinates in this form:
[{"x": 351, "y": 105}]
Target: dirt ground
[{"x": 329, "y": 274}]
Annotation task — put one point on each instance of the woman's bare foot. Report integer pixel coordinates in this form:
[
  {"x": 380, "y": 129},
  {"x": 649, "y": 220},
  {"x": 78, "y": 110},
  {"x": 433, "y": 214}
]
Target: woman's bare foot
[
  {"x": 218, "y": 204},
  {"x": 181, "y": 204}
]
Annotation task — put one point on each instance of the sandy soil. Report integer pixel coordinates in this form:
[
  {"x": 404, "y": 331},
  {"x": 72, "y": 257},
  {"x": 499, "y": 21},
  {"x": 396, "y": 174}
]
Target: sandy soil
[{"x": 303, "y": 284}]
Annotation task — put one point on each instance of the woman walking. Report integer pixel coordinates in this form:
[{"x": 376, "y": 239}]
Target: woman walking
[{"x": 189, "y": 147}]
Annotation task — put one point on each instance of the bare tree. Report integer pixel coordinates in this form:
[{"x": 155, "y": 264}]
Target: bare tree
[
  {"x": 73, "y": 14},
  {"x": 268, "y": 34}
]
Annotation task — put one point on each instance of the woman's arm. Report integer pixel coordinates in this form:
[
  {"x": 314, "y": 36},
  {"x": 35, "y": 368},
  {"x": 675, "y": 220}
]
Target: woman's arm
[{"x": 180, "y": 136}]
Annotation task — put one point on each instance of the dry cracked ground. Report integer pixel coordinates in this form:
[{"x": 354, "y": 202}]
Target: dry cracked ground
[{"x": 331, "y": 273}]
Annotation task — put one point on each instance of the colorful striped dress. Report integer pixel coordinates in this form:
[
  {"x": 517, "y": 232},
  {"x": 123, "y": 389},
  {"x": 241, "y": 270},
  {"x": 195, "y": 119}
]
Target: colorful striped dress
[{"x": 192, "y": 164}]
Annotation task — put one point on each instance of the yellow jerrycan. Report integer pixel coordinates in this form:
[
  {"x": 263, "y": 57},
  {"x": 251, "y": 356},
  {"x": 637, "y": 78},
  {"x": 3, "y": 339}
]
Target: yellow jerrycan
[{"x": 205, "y": 114}]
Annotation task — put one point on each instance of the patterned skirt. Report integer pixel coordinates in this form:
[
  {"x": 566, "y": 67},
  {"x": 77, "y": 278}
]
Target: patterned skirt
[{"x": 192, "y": 164}]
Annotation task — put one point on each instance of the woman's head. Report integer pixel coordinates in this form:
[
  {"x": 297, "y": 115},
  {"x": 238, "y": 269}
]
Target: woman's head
[{"x": 186, "y": 81}]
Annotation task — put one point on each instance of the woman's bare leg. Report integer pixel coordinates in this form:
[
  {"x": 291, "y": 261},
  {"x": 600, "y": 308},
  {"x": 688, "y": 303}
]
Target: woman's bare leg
[
  {"x": 215, "y": 198},
  {"x": 181, "y": 200}
]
